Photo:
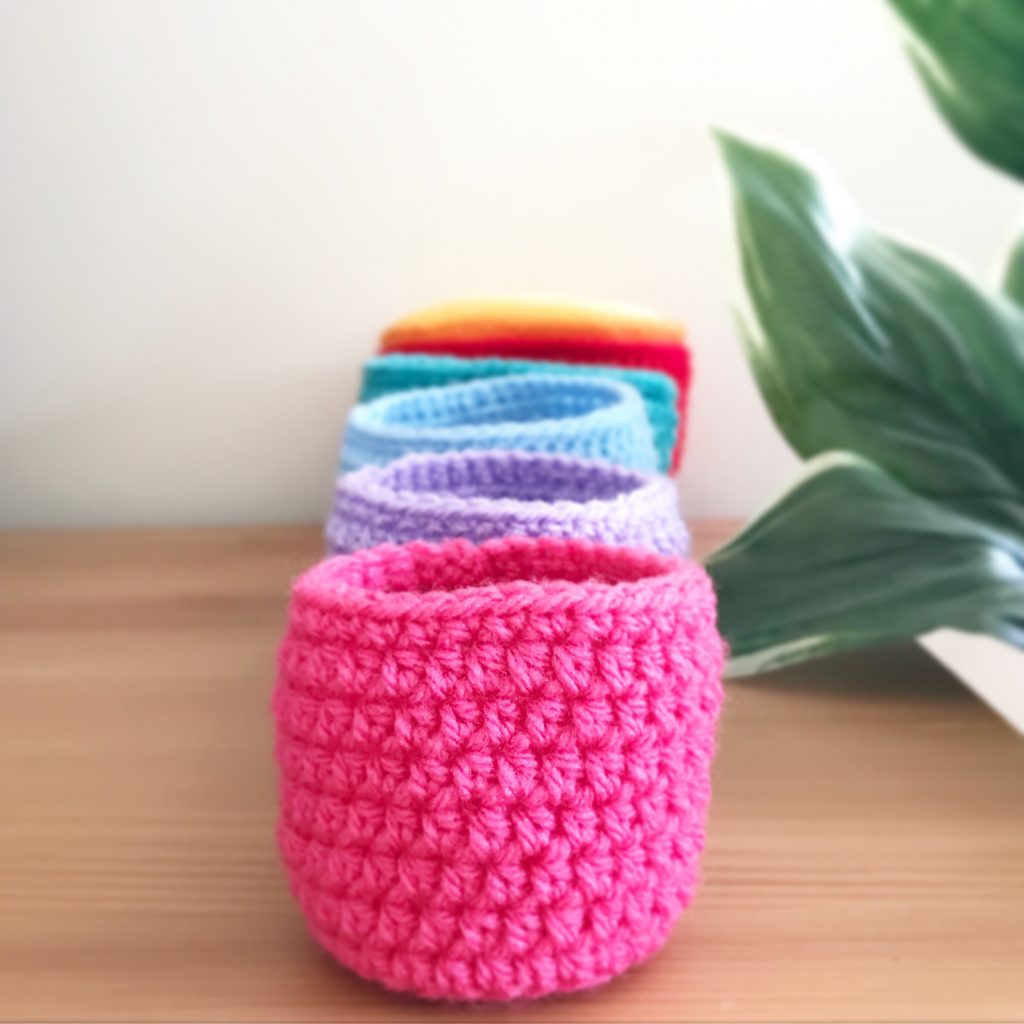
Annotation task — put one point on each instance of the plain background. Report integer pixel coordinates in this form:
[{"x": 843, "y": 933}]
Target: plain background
[{"x": 209, "y": 210}]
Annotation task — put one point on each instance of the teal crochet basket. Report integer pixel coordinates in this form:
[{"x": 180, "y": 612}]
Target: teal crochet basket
[{"x": 387, "y": 375}]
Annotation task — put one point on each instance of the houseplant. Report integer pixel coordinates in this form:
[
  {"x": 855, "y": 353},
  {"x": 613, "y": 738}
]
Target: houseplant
[{"x": 897, "y": 378}]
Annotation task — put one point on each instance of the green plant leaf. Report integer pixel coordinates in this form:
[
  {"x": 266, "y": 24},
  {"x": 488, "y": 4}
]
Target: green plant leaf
[
  {"x": 849, "y": 557},
  {"x": 861, "y": 343},
  {"x": 970, "y": 56},
  {"x": 1013, "y": 273}
]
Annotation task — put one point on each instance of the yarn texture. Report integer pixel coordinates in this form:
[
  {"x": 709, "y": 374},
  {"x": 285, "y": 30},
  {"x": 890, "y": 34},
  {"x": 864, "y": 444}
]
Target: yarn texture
[
  {"x": 480, "y": 495},
  {"x": 495, "y": 759},
  {"x": 586, "y": 416},
  {"x": 567, "y": 333},
  {"x": 385, "y": 375}
]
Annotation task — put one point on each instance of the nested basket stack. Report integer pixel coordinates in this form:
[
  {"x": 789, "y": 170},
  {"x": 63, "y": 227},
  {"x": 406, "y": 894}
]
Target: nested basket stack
[{"x": 497, "y": 701}]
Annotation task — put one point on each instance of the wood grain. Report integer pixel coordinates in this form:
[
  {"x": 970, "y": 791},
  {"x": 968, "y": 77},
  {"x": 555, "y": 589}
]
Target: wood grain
[{"x": 865, "y": 859}]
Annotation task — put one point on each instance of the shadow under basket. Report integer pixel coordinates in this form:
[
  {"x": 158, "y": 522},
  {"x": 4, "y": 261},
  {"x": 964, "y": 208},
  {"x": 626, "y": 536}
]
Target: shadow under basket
[{"x": 495, "y": 759}]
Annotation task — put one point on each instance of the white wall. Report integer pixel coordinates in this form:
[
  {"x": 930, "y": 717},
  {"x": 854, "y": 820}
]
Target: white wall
[{"x": 208, "y": 210}]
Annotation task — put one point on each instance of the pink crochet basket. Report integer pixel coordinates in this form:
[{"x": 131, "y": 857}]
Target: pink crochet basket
[{"x": 495, "y": 759}]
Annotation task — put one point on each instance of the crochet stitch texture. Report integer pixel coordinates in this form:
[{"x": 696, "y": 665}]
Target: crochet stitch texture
[
  {"x": 385, "y": 375},
  {"x": 480, "y": 495},
  {"x": 569, "y": 333},
  {"x": 495, "y": 759},
  {"x": 586, "y": 416}
]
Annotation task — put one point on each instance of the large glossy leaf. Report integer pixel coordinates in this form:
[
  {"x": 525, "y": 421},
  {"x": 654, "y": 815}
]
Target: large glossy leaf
[
  {"x": 970, "y": 56},
  {"x": 864, "y": 344},
  {"x": 1013, "y": 272},
  {"x": 849, "y": 557}
]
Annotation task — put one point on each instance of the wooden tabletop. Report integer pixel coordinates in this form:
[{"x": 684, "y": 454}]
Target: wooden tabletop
[{"x": 865, "y": 857}]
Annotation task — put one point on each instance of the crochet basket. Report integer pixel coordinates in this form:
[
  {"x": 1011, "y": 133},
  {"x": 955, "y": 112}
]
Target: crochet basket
[
  {"x": 385, "y": 375},
  {"x": 583, "y": 333},
  {"x": 585, "y": 416},
  {"x": 480, "y": 495},
  {"x": 495, "y": 760}
]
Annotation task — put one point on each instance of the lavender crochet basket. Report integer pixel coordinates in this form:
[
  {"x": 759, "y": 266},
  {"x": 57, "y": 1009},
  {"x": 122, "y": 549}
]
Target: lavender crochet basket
[{"x": 483, "y": 494}]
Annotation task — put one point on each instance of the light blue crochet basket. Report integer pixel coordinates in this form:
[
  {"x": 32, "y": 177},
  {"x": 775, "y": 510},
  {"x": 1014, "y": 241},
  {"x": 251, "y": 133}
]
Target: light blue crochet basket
[
  {"x": 591, "y": 417},
  {"x": 387, "y": 375}
]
